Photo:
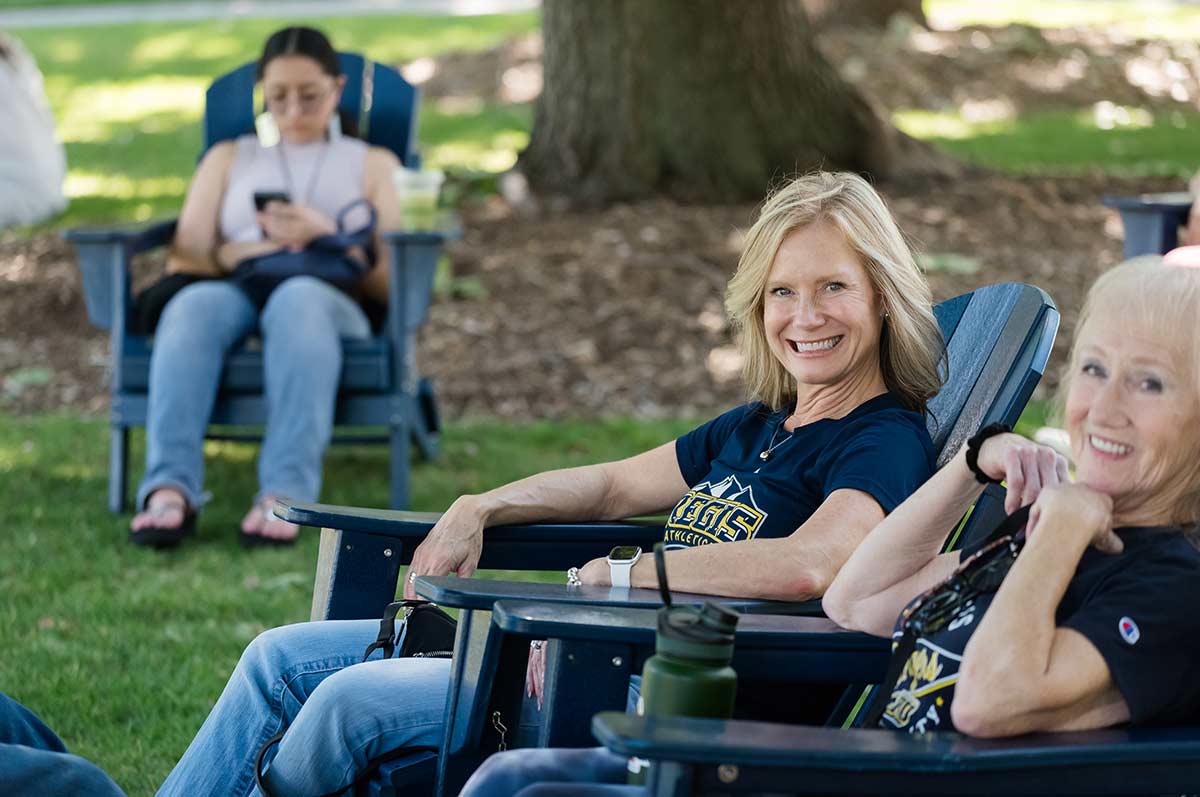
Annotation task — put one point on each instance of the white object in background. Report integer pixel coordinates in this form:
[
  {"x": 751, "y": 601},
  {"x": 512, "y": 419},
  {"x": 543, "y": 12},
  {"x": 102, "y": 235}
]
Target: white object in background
[
  {"x": 1056, "y": 439},
  {"x": 32, "y": 162},
  {"x": 418, "y": 192}
]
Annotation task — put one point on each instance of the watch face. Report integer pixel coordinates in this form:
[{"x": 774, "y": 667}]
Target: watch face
[{"x": 624, "y": 553}]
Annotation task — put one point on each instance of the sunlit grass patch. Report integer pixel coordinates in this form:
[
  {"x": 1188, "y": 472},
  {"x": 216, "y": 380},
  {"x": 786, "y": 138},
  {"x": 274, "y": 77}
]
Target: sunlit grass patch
[
  {"x": 1108, "y": 138},
  {"x": 129, "y": 115},
  {"x": 1146, "y": 18}
]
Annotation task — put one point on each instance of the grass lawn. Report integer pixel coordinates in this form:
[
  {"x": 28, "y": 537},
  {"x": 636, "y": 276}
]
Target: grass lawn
[
  {"x": 129, "y": 115},
  {"x": 123, "y": 650}
]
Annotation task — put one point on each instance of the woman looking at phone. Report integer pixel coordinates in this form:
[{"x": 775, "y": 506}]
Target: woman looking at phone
[{"x": 249, "y": 202}]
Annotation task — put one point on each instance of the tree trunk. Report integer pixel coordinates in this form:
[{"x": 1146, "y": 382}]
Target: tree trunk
[
  {"x": 861, "y": 13},
  {"x": 699, "y": 99}
]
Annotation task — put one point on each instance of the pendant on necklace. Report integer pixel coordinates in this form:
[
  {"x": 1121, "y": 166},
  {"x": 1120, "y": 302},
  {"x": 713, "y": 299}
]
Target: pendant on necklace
[{"x": 764, "y": 455}]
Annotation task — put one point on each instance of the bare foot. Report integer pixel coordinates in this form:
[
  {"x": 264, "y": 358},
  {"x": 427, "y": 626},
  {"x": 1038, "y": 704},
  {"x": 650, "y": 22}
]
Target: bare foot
[
  {"x": 260, "y": 521},
  {"x": 165, "y": 509}
]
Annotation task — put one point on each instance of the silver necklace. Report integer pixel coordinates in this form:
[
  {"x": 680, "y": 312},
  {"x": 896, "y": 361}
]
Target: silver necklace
[
  {"x": 312, "y": 179},
  {"x": 765, "y": 454}
]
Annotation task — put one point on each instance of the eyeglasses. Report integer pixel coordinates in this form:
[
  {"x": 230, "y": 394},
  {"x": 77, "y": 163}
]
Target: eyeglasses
[
  {"x": 309, "y": 100},
  {"x": 982, "y": 573}
]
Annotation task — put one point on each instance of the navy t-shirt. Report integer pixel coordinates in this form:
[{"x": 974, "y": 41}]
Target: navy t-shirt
[
  {"x": 880, "y": 448},
  {"x": 1138, "y": 608}
]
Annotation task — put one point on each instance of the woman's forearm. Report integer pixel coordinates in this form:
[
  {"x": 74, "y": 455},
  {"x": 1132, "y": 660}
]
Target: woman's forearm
[
  {"x": 1010, "y": 652},
  {"x": 767, "y": 569},
  {"x": 231, "y": 253},
  {"x": 904, "y": 543},
  {"x": 646, "y": 483}
]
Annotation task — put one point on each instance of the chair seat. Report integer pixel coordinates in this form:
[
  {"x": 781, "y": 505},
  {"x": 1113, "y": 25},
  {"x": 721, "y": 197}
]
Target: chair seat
[{"x": 366, "y": 366}]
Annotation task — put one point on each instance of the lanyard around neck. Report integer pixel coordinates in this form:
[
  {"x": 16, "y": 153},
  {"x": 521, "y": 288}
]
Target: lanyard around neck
[{"x": 285, "y": 168}]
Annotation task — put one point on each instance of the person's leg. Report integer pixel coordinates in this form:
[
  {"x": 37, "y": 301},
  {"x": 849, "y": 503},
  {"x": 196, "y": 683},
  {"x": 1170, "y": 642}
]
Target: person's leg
[
  {"x": 507, "y": 773},
  {"x": 30, "y": 772},
  {"x": 303, "y": 325},
  {"x": 35, "y": 763},
  {"x": 356, "y": 716},
  {"x": 276, "y": 675},
  {"x": 19, "y": 725},
  {"x": 197, "y": 329}
]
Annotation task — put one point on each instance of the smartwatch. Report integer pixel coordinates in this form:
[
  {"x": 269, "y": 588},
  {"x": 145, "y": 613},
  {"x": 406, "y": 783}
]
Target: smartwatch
[{"x": 620, "y": 561}]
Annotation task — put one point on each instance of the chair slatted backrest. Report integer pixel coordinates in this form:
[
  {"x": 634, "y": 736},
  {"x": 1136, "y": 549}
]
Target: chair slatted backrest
[{"x": 379, "y": 99}]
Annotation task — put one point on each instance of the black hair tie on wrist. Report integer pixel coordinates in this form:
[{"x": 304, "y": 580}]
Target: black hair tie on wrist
[{"x": 976, "y": 443}]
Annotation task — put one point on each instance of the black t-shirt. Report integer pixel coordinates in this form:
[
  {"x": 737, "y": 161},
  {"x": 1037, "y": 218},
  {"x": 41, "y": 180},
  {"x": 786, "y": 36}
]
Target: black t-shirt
[
  {"x": 1139, "y": 609},
  {"x": 879, "y": 448}
]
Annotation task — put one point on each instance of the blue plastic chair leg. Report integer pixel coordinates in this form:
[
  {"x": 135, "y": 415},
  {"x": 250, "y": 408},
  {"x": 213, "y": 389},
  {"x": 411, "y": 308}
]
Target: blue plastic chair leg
[
  {"x": 400, "y": 445},
  {"x": 118, "y": 468}
]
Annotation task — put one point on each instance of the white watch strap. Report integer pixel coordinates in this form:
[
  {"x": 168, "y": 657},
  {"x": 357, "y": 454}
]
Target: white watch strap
[{"x": 619, "y": 573}]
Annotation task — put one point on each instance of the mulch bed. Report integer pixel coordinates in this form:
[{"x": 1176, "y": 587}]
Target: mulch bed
[{"x": 618, "y": 311}]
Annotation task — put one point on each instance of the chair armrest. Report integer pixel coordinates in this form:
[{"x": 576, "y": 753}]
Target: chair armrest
[
  {"x": 414, "y": 257},
  {"x": 1151, "y": 220},
  {"x": 770, "y": 647},
  {"x": 136, "y": 238},
  {"x": 535, "y": 546},
  {"x": 104, "y": 255},
  {"x": 362, "y": 550},
  {"x": 540, "y": 620},
  {"x": 880, "y": 761}
]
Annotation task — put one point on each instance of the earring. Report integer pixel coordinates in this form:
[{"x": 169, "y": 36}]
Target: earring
[{"x": 335, "y": 126}]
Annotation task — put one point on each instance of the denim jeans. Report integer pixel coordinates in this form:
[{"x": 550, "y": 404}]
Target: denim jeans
[
  {"x": 591, "y": 772},
  {"x": 302, "y": 326},
  {"x": 339, "y": 713},
  {"x": 35, "y": 763}
]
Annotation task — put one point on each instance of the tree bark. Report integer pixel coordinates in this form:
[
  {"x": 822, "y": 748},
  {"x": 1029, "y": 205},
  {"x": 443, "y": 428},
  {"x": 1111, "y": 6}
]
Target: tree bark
[{"x": 699, "y": 99}]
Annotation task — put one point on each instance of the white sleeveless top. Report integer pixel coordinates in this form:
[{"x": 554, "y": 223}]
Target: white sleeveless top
[{"x": 326, "y": 175}]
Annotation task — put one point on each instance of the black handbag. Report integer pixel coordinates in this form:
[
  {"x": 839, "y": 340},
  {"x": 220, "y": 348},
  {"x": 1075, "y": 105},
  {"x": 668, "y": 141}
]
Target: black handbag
[
  {"x": 148, "y": 305},
  {"x": 326, "y": 257},
  {"x": 425, "y": 632}
]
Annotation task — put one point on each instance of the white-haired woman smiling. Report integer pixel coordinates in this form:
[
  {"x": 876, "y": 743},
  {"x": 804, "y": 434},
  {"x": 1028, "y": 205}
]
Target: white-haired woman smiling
[{"x": 1080, "y": 612}]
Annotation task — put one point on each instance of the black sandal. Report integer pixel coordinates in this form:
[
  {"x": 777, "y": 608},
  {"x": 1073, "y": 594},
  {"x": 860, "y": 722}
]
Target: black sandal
[{"x": 162, "y": 537}]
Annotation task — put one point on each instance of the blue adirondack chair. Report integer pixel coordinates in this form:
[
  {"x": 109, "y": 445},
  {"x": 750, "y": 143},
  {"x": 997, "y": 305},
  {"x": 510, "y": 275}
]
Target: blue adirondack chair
[
  {"x": 1151, "y": 221},
  {"x": 709, "y": 757},
  {"x": 380, "y": 387},
  {"x": 998, "y": 341}
]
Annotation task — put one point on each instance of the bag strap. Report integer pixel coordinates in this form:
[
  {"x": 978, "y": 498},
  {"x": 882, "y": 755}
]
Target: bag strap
[
  {"x": 343, "y": 239},
  {"x": 385, "y": 641},
  {"x": 387, "y": 631}
]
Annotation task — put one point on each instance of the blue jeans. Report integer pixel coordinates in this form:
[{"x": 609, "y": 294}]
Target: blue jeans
[
  {"x": 591, "y": 772},
  {"x": 302, "y": 326},
  {"x": 35, "y": 763},
  {"x": 339, "y": 713}
]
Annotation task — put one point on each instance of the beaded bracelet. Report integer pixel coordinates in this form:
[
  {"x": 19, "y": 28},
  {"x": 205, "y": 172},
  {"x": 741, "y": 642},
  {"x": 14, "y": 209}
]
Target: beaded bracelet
[{"x": 976, "y": 442}]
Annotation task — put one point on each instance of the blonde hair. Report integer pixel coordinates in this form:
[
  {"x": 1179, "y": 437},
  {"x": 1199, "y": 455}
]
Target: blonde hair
[
  {"x": 1149, "y": 298},
  {"x": 910, "y": 345}
]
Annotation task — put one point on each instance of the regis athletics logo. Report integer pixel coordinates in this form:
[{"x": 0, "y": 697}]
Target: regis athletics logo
[{"x": 724, "y": 511}]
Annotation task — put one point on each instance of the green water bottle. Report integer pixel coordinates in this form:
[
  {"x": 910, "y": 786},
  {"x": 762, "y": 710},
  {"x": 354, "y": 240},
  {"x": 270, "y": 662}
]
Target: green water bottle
[{"x": 689, "y": 674}]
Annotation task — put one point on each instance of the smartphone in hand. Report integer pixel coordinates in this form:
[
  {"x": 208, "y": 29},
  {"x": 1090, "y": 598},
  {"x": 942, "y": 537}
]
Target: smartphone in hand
[{"x": 261, "y": 198}]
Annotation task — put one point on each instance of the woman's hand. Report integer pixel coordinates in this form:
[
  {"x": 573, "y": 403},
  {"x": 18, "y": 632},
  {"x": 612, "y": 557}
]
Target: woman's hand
[
  {"x": 596, "y": 573},
  {"x": 1079, "y": 507},
  {"x": 535, "y": 673},
  {"x": 294, "y": 226},
  {"x": 453, "y": 545},
  {"x": 1027, "y": 467}
]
